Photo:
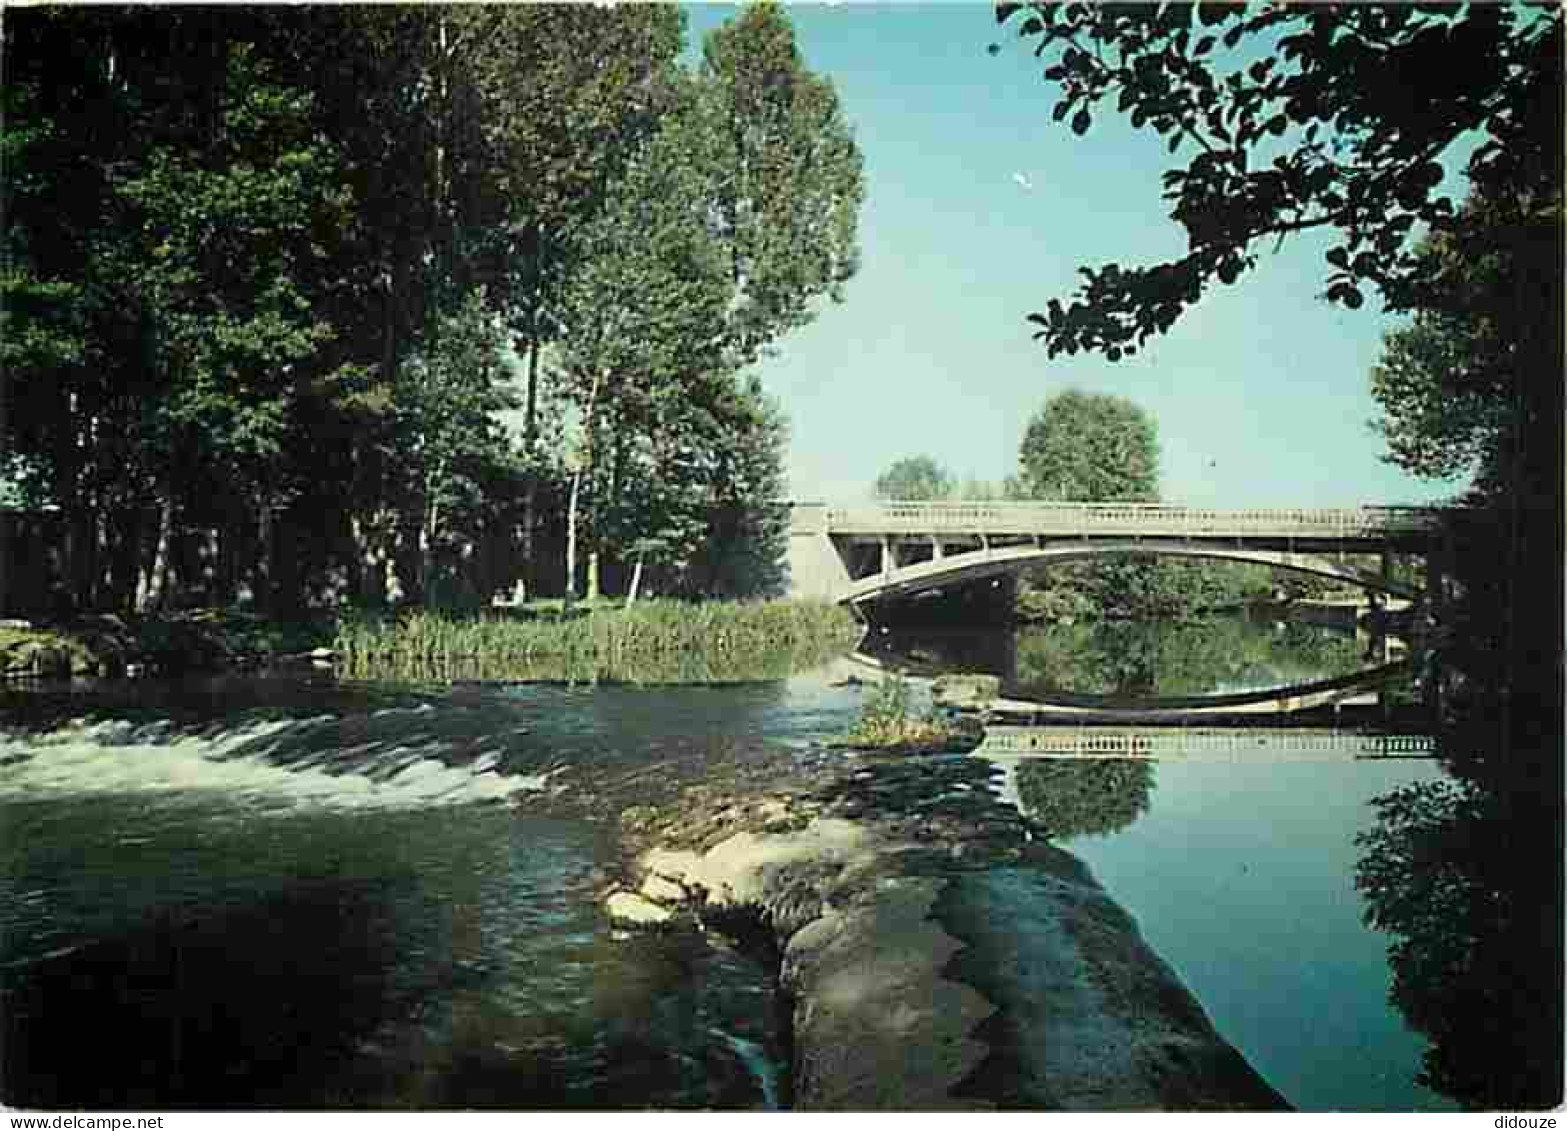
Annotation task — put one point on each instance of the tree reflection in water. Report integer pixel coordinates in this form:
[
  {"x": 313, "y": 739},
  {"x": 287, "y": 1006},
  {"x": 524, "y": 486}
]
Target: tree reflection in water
[
  {"x": 1067, "y": 797},
  {"x": 1170, "y": 658},
  {"x": 1462, "y": 876},
  {"x": 1467, "y": 874}
]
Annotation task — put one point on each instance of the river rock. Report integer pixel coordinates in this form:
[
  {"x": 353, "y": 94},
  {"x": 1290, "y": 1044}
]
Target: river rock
[
  {"x": 628, "y": 909},
  {"x": 965, "y": 690},
  {"x": 660, "y": 889},
  {"x": 752, "y": 870},
  {"x": 878, "y": 1023}
]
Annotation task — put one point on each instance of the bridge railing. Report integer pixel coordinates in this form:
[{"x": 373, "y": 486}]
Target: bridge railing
[{"x": 1156, "y": 519}]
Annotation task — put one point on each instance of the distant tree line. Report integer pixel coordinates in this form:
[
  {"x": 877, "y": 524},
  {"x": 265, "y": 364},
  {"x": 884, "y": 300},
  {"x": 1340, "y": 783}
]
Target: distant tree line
[
  {"x": 1092, "y": 447},
  {"x": 320, "y": 304}
]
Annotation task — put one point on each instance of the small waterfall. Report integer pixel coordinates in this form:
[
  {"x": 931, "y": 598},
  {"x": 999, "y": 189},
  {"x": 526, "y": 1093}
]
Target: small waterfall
[{"x": 384, "y": 761}]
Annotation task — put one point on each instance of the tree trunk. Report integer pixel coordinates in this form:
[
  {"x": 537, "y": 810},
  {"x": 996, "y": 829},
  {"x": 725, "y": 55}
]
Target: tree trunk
[
  {"x": 529, "y": 434},
  {"x": 636, "y": 583},
  {"x": 429, "y": 528},
  {"x": 593, "y": 577},
  {"x": 153, "y": 591},
  {"x": 570, "y": 592},
  {"x": 406, "y": 560},
  {"x": 209, "y": 559},
  {"x": 102, "y": 593},
  {"x": 572, "y": 520},
  {"x": 82, "y": 554},
  {"x": 123, "y": 565},
  {"x": 228, "y": 539},
  {"x": 265, "y": 539},
  {"x": 370, "y": 561}
]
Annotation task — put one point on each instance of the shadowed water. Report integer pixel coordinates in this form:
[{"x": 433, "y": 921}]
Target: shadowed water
[{"x": 346, "y": 902}]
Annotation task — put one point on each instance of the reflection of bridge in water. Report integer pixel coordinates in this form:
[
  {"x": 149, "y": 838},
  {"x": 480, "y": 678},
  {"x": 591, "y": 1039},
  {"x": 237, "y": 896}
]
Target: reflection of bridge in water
[
  {"x": 1355, "y": 700},
  {"x": 1009, "y": 744},
  {"x": 860, "y": 554},
  {"x": 1357, "y": 690}
]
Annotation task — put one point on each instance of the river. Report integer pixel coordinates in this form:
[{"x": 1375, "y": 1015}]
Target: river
[{"x": 289, "y": 892}]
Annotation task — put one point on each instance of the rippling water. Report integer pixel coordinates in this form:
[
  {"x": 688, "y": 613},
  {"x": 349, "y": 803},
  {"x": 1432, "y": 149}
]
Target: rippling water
[{"x": 353, "y": 906}]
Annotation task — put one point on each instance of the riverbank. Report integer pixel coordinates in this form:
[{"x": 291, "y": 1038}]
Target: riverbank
[
  {"x": 654, "y": 641},
  {"x": 895, "y": 893},
  {"x": 111, "y": 646}
]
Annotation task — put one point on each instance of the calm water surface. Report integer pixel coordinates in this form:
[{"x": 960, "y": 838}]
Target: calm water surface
[{"x": 1241, "y": 877}]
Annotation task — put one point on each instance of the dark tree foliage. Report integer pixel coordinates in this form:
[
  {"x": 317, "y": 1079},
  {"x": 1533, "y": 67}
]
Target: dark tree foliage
[
  {"x": 745, "y": 541},
  {"x": 261, "y": 266},
  {"x": 1472, "y": 384},
  {"x": 1457, "y": 874},
  {"x": 1296, "y": 117}
]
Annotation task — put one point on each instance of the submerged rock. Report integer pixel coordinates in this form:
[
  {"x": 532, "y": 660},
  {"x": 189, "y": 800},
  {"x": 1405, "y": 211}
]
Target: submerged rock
[
  {"x": 661, "y": 890},
  {"x": 1089, "y": 1018},
  {"x": 628, "y": 909},
  {"x": 965, "y": 690},
  {"x": 919, "y": 983},
  {"x": 877, "y": 1025}
]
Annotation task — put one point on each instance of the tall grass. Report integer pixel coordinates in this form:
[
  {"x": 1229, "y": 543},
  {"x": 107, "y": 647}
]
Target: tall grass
[{"x": 657, "y": 641}]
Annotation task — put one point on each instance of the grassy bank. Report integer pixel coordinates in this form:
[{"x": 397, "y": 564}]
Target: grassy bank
[{"x": 653, "y": 642}]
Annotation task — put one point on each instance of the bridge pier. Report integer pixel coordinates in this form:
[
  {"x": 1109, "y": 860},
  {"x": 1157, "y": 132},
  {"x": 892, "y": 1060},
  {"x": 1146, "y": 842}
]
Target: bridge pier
[{"x": 816, "y": 568}]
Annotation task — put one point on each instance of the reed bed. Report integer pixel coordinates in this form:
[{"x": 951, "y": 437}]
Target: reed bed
[{"x": 658, "y": 641}]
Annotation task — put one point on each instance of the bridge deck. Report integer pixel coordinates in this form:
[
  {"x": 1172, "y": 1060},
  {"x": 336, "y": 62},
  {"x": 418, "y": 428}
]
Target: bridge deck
[
  {"x": 1360, "y": 524},
  {"x": 862, "y": 553}
]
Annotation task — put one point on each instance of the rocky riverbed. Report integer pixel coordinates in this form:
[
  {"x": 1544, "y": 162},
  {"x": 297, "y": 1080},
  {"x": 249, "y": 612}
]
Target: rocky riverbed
[{"x": 939, "y": 953}]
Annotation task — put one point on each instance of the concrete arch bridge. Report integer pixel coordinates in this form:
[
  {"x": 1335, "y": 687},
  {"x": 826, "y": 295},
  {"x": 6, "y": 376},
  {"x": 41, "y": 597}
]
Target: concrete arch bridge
[{"x": 865, "y": 553}]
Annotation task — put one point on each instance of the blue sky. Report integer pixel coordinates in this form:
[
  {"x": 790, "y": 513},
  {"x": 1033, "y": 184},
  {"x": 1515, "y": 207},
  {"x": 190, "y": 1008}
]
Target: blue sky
[{"x": 1261, "y": 393}]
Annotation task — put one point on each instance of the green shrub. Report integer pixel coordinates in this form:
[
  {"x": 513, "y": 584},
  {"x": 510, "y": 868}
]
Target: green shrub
[{"x": 890, "y": 720}]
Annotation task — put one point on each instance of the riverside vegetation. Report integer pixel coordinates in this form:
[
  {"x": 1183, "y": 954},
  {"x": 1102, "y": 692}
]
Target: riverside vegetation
[
  {"x": 651, "y": 642},
  {"x": 190, "y": 640},
  {"x": 658, "y": 641}
]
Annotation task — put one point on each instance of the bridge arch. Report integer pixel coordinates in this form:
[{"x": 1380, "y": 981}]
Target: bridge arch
[
  {"x": 855, "y": 554},
  {"x": 991, "y": 561}
]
